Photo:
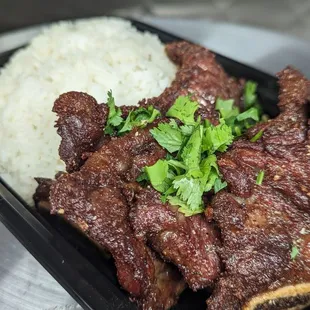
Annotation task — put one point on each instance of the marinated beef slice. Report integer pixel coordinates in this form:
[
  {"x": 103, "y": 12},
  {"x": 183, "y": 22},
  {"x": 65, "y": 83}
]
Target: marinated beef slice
[
  {"x": 92, "y": 199},
  {"x": 265, "y": 228},
  {"x": 188, "y": 242},
  {"x": 80, "y": 124},
  {"x": 200, "y": 76}
]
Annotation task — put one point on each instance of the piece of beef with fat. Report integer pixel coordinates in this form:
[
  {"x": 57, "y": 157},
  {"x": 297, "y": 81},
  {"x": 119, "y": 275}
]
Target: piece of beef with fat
[{"x": 265, "y": 227}]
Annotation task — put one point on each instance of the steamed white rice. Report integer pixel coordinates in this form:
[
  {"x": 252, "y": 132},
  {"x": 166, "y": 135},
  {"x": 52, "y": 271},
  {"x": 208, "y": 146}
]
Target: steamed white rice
[{"x": 92, "y": 56}]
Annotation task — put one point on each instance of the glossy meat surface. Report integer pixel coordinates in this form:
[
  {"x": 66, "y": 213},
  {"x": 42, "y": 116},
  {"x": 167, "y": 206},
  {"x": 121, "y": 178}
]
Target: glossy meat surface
[
  {"x": 92, "y": 199},
  {"x": 266, "y": 228},
  {"x": 188, "y": 242},
  {"x": 199, "y": 75}
]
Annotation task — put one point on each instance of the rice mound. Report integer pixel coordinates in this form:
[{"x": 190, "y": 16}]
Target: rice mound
[{"x": 93, "y": 56}]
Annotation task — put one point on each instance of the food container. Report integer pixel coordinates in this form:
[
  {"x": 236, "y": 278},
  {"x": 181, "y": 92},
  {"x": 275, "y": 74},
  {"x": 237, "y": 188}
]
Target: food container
[{"x": 77, "y": 264}]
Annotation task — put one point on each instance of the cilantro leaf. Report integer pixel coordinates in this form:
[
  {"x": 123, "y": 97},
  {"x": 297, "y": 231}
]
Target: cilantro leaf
[
  {"x": 219, "y": 185},
  {"x": 191, "y": 153},
  {"x": 169, "y": 156},
  {"x": 173, "y": 124},
  {"x": 187, "y": 130},
  {"x": 212, "y": 177},
  {"x": 142, "y": 177},
  {"x": 208, "y": 163},
  {"x": 168, "y": 137},
  {"x": 294, "y": 252},
  {"x": 159, "y": 175},
  {"x": 177, "y": 165},
  {"x": 237, "y": 131},
  {"x": 114, "y": 116},
  {"x": 139, "y": 118},
  {"x": 238, "y": 121},
  {"x": 184, "y": 208},
  {"x": 251, "y": 113},
  {"x": 168, "y": 192},
  {"x": 226, "y": 108},
  {"x": 184, "y": 109},
  {"x": 127, "y": 126},
  {"x": 190, "y": 191},
  {"x": 249, "y": 94},
  {"x": 216, "y": 138},
  {"x": 210, "y": 172}
]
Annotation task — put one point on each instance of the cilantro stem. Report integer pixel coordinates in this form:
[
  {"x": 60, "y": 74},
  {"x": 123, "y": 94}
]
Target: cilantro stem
[
  {"x": 257, "y": 136},
  {"x": 260, "y": 177},
  {"x": 237, "y": 131}
]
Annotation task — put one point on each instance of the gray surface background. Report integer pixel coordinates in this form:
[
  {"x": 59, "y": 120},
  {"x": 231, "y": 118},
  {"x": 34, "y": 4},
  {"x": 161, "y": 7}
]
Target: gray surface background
[
  {"x": 24, "y": 284},
  {"x": 286, "y": 16}
]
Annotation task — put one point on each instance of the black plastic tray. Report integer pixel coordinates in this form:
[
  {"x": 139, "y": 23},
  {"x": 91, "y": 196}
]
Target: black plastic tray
[{"x": 75, "y": 262}]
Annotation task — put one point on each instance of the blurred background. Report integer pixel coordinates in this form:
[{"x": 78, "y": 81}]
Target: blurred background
[{"x": 287, "y": 16}]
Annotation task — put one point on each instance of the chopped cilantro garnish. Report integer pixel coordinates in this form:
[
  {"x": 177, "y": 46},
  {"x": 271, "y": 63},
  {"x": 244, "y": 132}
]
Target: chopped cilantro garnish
[
  {"x": 234, "y": 118},
  {"x": 184, "y": 109},
  {"x": 191, "y": 153},
  {"x": 249, "y": 95},
  {"x": 294, "y": 252},
  {"x": 177, "y": 165},
  {"x": 190, "y": 169},
  {"x": 190, "y": 191},
  {"x": 187, "y": 130},
  {"x": 136, "y": 118},
  {"x": 184, "y": 177},
  {"x": 114, "y": 116},
  {"x": 168, "y": 137},
  {"x": 219, "y": 185},
  {"x": 139, "y": 118},
  {"x": 260, "y": 177},
  {"x": 142, "y": 177},
  {"x": 251, "y": 113},
  {"x": 226, "y": 108},
  {"x": 257, "y": 136},
  {"x": 183, "y": 207},
  {"x": 217, "y": 138},
  {"x": 158, "y": 175},
  {"x": 237, "y": 131}
]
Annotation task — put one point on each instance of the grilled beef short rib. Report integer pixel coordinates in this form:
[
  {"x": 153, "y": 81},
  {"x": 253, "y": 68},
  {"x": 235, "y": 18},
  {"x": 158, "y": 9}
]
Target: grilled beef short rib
[
  {"x": 200, "y": 76},
  {"x": 80, "y": 124},
  {"x": 188, "y": 242},
  {"x": 265, "y": 228},
  {"x": 92, "y": 199}
]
